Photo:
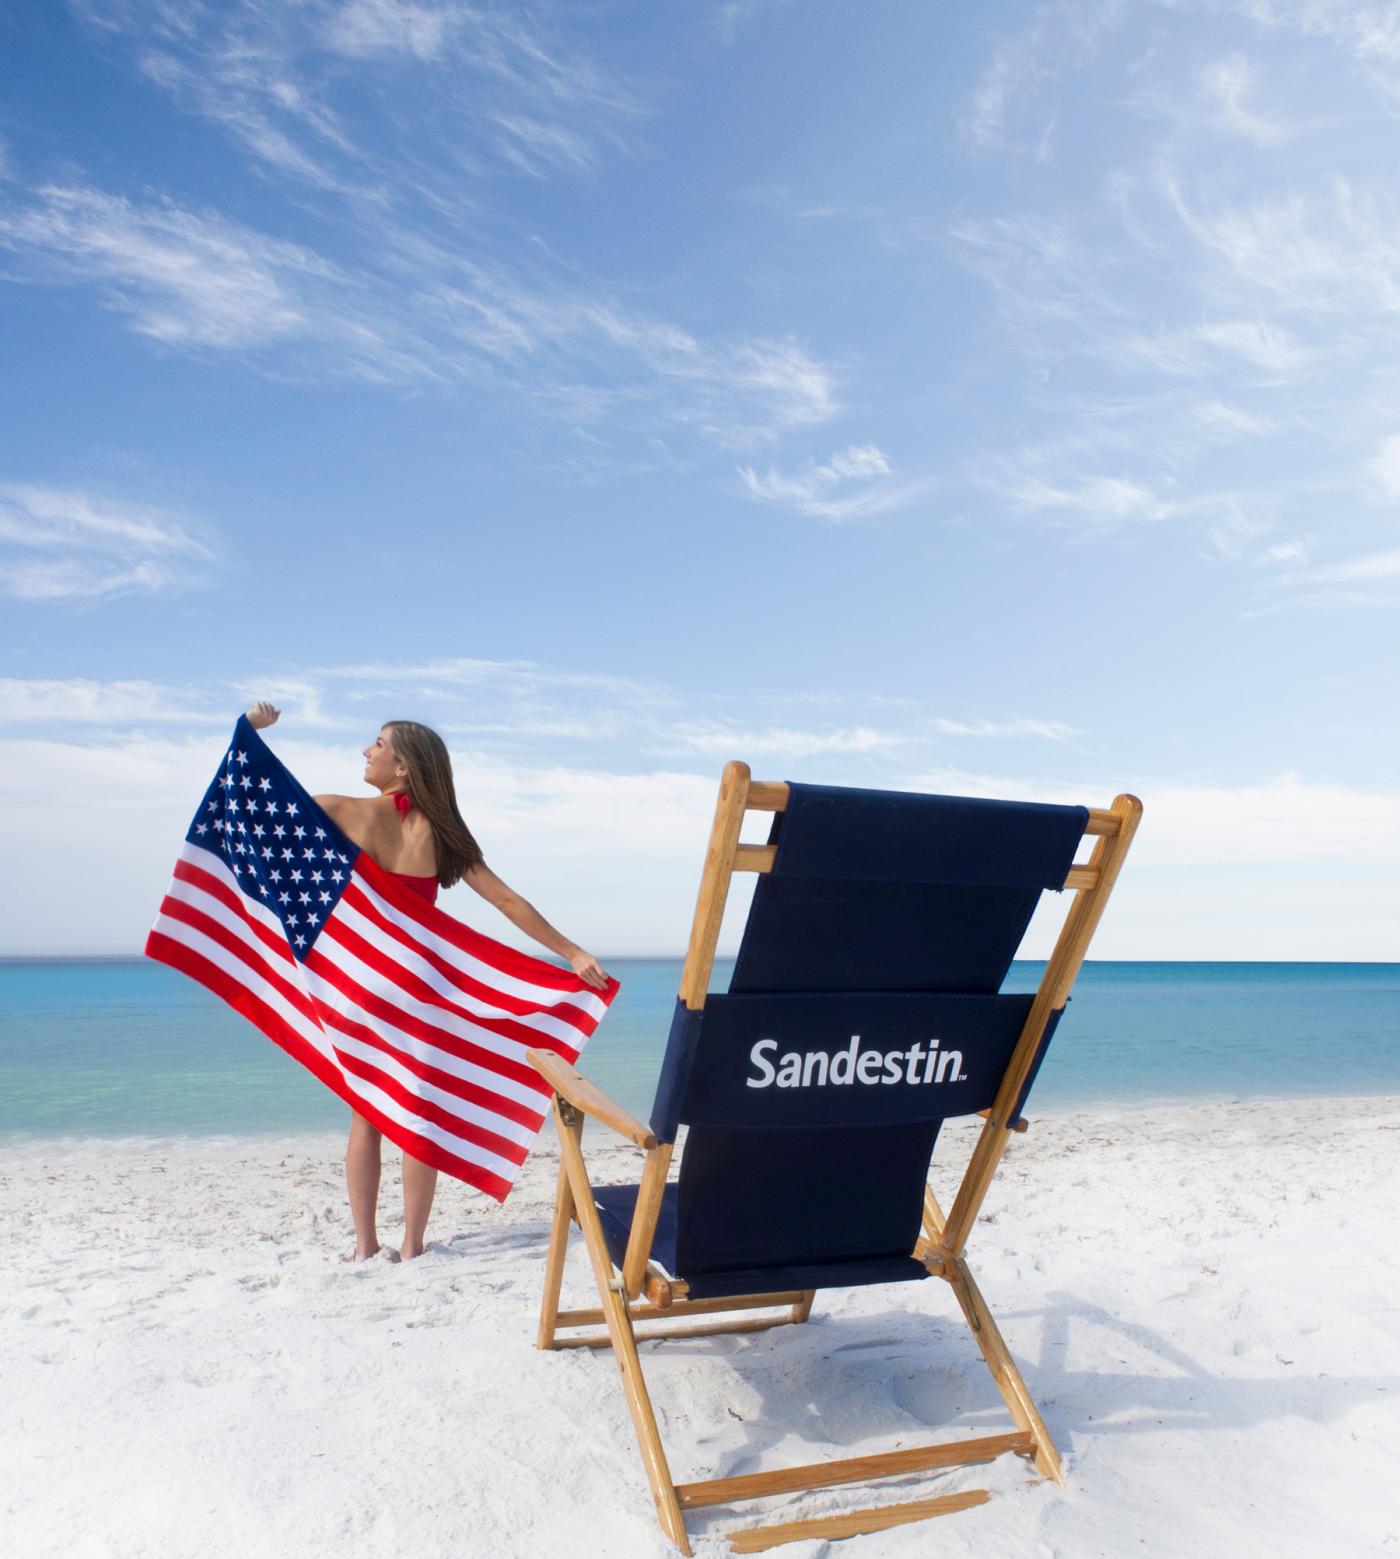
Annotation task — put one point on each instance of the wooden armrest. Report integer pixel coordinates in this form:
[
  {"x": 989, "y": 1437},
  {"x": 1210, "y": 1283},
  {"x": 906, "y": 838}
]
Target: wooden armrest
[{"x": 572, "y": 1085}]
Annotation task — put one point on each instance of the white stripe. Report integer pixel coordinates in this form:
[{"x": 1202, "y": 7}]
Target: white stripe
[
  {"x": 217, "y": 867},
  {"x": 413, "y": 962},
  {"x": 199, "y": 942},
  {"x": 463, "y": 1109},
  {"x": 380, "y": 985},
  {"x": 328, "y": 997},
  {"x": 487, "y": 974},
  {"x": 217, "y": 954},
  {"x": 201, "y": 899},
  {"x": 542, "y": 1023}
]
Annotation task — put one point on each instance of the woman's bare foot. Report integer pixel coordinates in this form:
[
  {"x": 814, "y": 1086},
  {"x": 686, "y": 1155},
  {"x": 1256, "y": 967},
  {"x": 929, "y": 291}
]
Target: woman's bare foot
[
  {"x": 409, "y": 1252},
  {"x": 364, "y": 1252}
]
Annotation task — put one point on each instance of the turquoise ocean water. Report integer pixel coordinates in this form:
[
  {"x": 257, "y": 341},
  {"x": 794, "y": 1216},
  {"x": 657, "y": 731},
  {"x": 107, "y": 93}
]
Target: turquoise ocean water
[{"x": 120, "y": 1047}]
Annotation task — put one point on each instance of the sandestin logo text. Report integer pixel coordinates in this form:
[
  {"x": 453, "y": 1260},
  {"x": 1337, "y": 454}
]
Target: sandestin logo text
[{"x": 817, "y": 1069}]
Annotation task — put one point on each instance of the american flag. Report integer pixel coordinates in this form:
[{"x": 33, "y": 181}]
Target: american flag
[{"x": 414, "y": 1019}]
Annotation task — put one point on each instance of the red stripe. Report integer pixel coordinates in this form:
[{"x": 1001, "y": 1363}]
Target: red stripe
[
  {"x": 234, "y": 902},
  {"x": 521, "y": 965},
  {"x": 166, "y": 950},
  {"x": 473, "y": 1093},
  {"x": 390, "y": 969},
  {"x": 217, "y": 931},
  {"x": 359, "y": 900},
  {"x": 430, "y": 1034},
  {"x": 491, "y": 1141}
]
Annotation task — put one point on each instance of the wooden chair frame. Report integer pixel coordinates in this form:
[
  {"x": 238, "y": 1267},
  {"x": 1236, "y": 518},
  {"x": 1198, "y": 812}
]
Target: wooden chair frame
[{"x": 643, "y": 1292}]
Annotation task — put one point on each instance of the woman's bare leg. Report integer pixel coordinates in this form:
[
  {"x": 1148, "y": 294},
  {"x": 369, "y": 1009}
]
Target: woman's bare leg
[
  {"x": 419, "y": 1183},
  {"x": 362, "y": 1181}
]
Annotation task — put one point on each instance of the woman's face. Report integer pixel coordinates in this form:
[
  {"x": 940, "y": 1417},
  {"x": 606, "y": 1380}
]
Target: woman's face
[{"x": 383, "y": 767}]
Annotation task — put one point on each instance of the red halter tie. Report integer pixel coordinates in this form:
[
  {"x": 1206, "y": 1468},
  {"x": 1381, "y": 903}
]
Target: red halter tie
[{"x": 403, "y": 802}]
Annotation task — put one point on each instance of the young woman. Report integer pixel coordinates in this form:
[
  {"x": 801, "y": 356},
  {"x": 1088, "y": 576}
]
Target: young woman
[{"x": 415, "y": 832}]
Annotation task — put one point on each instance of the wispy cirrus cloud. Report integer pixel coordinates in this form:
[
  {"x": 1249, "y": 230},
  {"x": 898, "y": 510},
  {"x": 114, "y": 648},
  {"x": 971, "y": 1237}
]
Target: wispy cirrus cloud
[
  {"x": 278, "y": 80},
  {"x": 1048, "y": 730},
  {"x": 66, "y": 545},
  {"x": 200, "y": 282},
  {"x": 854, "y": 483}
]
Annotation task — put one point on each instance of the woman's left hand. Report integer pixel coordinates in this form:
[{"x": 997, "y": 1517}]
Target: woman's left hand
[{"x": 588, "y": 969}]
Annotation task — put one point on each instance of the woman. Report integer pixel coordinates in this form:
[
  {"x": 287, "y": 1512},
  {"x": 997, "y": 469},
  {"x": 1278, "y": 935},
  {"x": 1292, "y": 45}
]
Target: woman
[{"x": 414, "y": 831}]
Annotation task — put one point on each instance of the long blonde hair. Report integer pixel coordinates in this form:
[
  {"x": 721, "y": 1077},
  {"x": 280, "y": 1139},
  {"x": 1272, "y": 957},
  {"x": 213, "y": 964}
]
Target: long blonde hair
[{"x": 424, "y": 754}]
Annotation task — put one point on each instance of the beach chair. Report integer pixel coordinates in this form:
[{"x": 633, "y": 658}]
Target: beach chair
[{"x": 863, "y": 1011}]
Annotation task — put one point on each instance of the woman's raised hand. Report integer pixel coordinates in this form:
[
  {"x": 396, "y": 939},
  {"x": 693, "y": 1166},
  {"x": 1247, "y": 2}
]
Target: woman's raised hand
[
  {"x": 588, "y": 969},
  {"x": 263, "y": 714}
]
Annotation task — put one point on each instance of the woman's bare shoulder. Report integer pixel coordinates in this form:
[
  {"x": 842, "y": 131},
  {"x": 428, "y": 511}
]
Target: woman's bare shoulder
[{"x": 344, "y": 806}]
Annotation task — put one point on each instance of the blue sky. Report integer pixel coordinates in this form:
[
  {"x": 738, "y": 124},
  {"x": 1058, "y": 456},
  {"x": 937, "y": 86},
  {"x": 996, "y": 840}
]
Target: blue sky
[{"x": 994, "y": 399}]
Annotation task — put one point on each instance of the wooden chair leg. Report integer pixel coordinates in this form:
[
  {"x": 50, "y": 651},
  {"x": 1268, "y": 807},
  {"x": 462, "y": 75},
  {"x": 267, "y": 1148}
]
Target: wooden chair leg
[
  {"x": 554, "y": 1264},
  {"x": 803, "y": 1308},
  {"x": 1010, "y": 1382},
  {"x": 624, "y": 1342}
]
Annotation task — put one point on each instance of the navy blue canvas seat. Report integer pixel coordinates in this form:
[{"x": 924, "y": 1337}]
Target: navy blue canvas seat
[
  {"x": 864, "y": 1010},
  {"x": 883, "y": 930}
]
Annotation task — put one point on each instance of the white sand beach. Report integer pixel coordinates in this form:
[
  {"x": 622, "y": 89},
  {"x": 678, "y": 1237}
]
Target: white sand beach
[{"x": 1205, "y": 1300}]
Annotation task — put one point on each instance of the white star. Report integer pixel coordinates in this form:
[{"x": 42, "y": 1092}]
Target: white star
[
  {"x": 242, "y": 828},
  {"x": 344, "y": 860},
  {"x": 291, "y": 809},
  {"x": 272, "y": 806},
  {"x": 292, "y": 920},
  {"x": 219, "y": 824},
  {"x": 213, "y": 806},
  {"x": 276, "y": 876},
  {"x": 320, "y": 833},
  {"x": 325, "y": 898},
  {"x": 242, "y": 758},
  {"x": 225, "y": 781},
  {"x": 283, "y": 898},
  {"x": 303, "y": 898},
  {"x": 251, "y": 804},
  {"x": 264, "y": 783},
  {"x": 262, "y": 888},
  {"x": 311, "y": 919},
  {"x": 286, "y": 855},
  {"x": 278, "y": 830},
  {"x": 308, "y": 855},
  {"x": 316, "y": 877},
  {"x": 233, "y": 803},
  {"x": 245, "y": 782},
  {"x": 201, "y": 828},
  {"x": 237, "y": 867},
  {"x": 299, "y": 831},
  {"x": 257, "y": 830},
  {"x": 267, "y": 852},
  {"x": 301, "y": 941},
  {"x": 337, "y": 876}
]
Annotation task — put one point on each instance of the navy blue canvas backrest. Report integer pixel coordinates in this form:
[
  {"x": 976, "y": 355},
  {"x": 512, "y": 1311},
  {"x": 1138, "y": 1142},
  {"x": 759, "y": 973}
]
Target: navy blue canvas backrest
[{"x": 862, "y": 1012}]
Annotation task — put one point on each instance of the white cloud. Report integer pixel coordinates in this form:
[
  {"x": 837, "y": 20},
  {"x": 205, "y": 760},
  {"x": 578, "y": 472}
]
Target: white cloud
[
  {"x": 186, "y": 279},
  {"x": 855, "y": 483},
  {"x": 386, "y": 27},
  {"x": 1385, "y": 466},
  {"x": 782, "y": 741},
  {"x": 85, "y": 701},
  {"x": 1228, "y": 88},
  {"x": 62, "y": 544},
  {"x": 1093, "y": 502},
  {"x": 1050, "y": 730},
  {"x": 537, "y": 148},
  {"x": 1310, "y": 254}
]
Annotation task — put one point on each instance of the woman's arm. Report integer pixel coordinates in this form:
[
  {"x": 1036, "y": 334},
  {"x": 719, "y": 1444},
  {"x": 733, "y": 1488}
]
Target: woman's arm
[{"x": 520, "y": 912}]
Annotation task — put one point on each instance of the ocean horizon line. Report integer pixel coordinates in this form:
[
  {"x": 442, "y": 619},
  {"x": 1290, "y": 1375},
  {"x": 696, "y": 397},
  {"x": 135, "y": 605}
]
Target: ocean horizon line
[{"x": 679, "y": 957}]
